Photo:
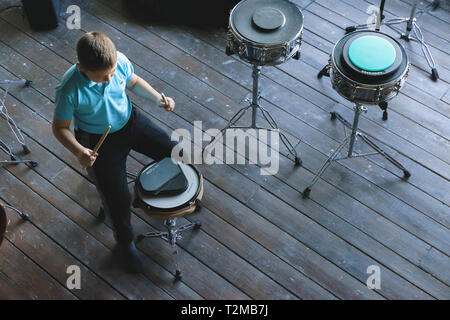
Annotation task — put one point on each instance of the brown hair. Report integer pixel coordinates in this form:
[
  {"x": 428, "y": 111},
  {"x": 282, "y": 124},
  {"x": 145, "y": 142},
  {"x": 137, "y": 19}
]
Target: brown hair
[{"x": 96, "y": 51}]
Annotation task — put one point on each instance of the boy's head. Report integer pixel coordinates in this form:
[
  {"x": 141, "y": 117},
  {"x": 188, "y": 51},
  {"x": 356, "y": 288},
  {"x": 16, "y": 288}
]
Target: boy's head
[{"x": 97, "y": 56}]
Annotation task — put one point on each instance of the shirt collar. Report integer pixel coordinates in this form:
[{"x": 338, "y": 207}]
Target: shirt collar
[{"x": 85, "y": 79}]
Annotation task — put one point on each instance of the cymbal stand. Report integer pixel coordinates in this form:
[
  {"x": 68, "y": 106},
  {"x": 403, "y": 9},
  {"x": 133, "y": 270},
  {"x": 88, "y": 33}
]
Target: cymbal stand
[
  {"x": 15, "y": 159},
  {"x": 411, "y": 25}
]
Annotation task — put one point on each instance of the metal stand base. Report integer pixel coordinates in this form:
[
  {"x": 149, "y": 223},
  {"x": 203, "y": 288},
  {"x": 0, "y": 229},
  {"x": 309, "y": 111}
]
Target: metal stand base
[
  {"x": 266, "y": 114},
  {"x": 411, "y": 25},
  {"x": 15, "y": 159},
  {"x": 351, "y": 139},
  {"x": 23, "y": 215},
  {"x": 171, "y": 236}
]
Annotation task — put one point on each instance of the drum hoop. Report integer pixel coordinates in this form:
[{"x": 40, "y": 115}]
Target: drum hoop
[
  {"x": 181, "y": 206},
  {"x": 363, "y": 85},
  {"x": 241, "y": 38},
  {"x": 177, "y": 212},
  {"x": 369, "y": 86}
]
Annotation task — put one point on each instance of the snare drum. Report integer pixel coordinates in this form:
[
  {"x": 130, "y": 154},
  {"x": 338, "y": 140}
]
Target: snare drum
[
  {"x": 265, "y": 32},
  {"x": 176, "y": 205},
  {"x": 368, "y": 67}
]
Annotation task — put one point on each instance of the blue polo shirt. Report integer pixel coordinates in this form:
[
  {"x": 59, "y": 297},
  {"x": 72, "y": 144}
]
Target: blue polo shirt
[{"x": 93, "y": 106}]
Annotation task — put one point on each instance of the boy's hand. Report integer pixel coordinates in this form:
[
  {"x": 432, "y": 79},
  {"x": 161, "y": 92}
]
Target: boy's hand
[
  {"x": 86, "y": 157},
  {"x": 168, "y": 103}
]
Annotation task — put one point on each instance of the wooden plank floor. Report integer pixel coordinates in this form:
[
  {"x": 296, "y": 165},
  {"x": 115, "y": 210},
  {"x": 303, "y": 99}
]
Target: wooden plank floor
[{"x": 259, "y": 238}]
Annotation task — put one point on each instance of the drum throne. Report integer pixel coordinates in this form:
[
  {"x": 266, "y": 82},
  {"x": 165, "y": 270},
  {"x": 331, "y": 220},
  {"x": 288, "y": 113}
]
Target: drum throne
[{"x": 169, "y": 215}]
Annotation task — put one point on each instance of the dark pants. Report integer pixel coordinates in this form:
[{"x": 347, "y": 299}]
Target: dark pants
[{"x": 109, "y": 170}]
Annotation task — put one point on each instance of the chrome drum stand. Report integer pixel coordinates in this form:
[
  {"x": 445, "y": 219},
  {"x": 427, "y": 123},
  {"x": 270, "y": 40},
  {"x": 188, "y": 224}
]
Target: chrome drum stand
[
  {"x": 266, "y": 114},
  {"x": 351, "y": 139}
]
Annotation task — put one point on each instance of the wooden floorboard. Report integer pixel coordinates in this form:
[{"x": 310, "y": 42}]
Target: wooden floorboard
[
  {"x": 27, "y": 278},
  {"x": 259, "y": 239}
]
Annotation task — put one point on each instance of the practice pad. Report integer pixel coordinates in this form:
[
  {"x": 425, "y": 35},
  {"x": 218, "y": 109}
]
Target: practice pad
[
  {"x": 163, "y": 178},
  {"x": 267, "y": 21},
  {"x": 372, "y": 53},
  {"x": 167, "y": 202}
]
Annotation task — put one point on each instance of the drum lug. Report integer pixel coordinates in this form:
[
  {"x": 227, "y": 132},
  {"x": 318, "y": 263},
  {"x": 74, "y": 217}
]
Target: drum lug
[
  {"x": 355, "y": 87},
  {"x": 378, "y": 93},
  {"x": 242, "y": 49},
  {"x": 228, "y": 50},
  {"x": 263, "y": 54},
  {"x": 285, "y": 50}
]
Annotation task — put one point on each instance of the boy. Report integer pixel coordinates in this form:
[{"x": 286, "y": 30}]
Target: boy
[{"x": 92, "y": 92}]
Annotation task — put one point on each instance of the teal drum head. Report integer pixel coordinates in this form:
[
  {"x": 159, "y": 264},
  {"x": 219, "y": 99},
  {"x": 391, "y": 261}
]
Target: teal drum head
[{"x": 372, "y": 53}]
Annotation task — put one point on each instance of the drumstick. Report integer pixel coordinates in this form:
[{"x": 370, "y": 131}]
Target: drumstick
[
  {"x": 166, "y": 102},
  {"x": 100, "y": 142}
]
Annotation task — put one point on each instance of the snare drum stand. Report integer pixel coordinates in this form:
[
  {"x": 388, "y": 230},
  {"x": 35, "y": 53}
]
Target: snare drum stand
[
  {"x": 15, "y": 159},
  {"x": 351, "y": 139},
  {"x": 411, "y": 25},
  {"x": 266, "y": 114}
]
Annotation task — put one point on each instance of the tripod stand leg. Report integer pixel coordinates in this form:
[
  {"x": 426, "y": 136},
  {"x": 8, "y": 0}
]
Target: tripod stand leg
[
  {"x": 327, "y": 163},
  {"x": 23, "y": 215},
  {"x": 237, "y": 116},
  {"x": 406, "y": 173},
  {"x": 284, "y": 139},
  {"x": 434, "y": 74},
  {"x": 298, "y": 161}
]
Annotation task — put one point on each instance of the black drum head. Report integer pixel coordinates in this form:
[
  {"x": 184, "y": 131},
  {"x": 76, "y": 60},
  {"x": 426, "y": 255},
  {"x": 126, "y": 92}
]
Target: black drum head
[
  {"x": 269, "y": 22},
  {"x": 349, "y": 69}
]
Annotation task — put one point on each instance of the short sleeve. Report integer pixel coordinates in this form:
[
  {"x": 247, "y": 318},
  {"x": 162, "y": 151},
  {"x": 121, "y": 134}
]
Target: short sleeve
[
  {"x": 126, "y": 66},
  {"x": 64, "y": 107}
]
